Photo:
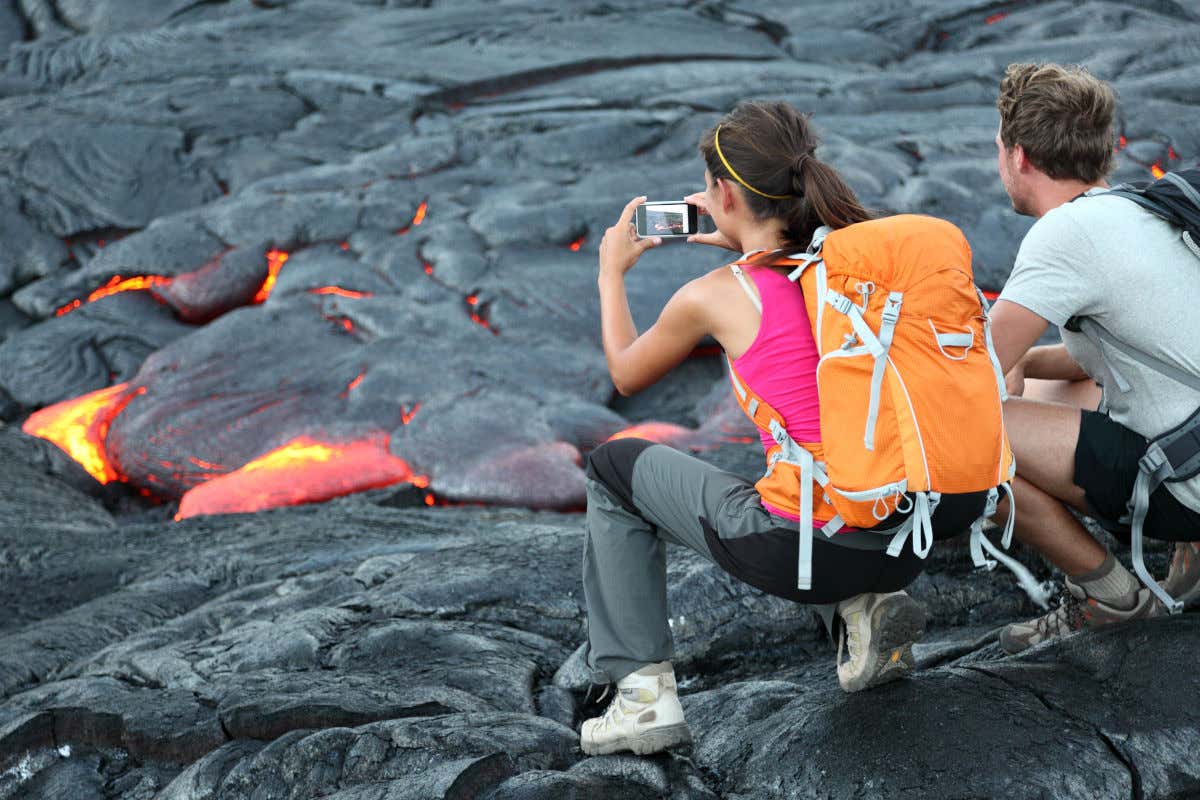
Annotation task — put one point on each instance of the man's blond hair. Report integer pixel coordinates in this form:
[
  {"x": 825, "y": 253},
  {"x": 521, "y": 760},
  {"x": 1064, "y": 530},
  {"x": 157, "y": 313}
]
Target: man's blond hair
[{"x": 1061, "y": 117}]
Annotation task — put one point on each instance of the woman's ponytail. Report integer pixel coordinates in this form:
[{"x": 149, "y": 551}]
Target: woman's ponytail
[{"x": 772, "y": 146}]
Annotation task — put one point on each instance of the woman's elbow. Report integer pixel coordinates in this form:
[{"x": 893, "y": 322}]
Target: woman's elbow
[{"x": 623, "y": 389}]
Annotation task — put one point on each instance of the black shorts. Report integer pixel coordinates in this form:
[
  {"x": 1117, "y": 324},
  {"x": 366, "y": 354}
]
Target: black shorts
[{"x": 1106, "y": 466}]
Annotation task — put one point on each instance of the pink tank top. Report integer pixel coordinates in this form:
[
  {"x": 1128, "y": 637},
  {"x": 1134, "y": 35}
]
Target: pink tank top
[{"x": 781, "y": 363}]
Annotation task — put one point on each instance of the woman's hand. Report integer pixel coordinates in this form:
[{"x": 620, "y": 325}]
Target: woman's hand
[
  {"x": 716, "y": 238},
  {"x": 621, "y": 248}
]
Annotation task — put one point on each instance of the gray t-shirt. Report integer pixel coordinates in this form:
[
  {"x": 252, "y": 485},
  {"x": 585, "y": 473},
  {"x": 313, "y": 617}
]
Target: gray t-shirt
[{"x": 1106, "y": 258}]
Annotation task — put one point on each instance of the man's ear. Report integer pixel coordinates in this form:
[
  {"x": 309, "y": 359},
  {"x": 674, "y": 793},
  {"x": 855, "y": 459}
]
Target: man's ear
[{"x": 1020, "y": 160}]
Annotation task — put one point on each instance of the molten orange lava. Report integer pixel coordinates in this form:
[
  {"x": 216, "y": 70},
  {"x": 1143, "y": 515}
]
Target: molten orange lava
[
  {"x": 275, "y": 262},
  {"x": 1122, "y": 142},
  {"x": 577, "y": 244},
  {"x": 340, "y": 292},
  {"x": 354, "y": 383},
  {"x": 302, "y": 471},
  {"x": 990, "y": 295},
  {"x": 116, "y": 284},
  {"x": 654, "y": 431},
  {"x": 79, "y": 427},
  {"x": 417, "y": 219},
  {"x": 406, "y": 416},
  {"x": 1156, "y": 169},
  {"x": 206, "y": 464},
  {"x": 1171, "y": 154},
  {"x": 994, "y": 18},
  {"x": 472, "y": 300},
  {"x": 428, "y": 268}
]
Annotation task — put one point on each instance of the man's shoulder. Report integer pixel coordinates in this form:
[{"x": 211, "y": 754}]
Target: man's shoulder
[{"x": 1082, "y": 224}]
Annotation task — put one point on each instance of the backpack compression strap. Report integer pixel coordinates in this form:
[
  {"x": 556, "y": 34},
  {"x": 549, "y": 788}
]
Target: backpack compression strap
[{"x": 1173, "y": 456}]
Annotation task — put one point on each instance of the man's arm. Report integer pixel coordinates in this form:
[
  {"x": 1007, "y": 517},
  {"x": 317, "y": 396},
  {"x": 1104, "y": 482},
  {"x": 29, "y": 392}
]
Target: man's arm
[
  {"x": 1014, "y": 330},
  {"x": 1052, "y": 362}
]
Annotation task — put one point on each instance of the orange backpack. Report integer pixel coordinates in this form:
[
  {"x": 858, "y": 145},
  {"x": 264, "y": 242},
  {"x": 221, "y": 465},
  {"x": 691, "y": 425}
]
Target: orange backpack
[{"x": 910, "y": 387}]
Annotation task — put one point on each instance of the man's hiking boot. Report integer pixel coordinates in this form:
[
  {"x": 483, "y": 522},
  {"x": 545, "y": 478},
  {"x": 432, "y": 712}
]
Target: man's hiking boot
[
  {"x": 1076, "y": 612},
  {"x": 644, "y": 716},
  {"x": 1183, "y": 577},
  {"x": 878, "y": 631}
]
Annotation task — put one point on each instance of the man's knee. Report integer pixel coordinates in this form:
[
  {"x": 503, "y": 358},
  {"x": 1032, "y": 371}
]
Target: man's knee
[{"x": 611, "y": 464}]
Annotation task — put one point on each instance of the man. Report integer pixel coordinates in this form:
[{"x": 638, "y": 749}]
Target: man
[{"x": 1106, "y": 259}]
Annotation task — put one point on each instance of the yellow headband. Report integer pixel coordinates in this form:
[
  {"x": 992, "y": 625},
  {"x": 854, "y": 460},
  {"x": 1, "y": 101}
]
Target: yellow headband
[{"x": 738, "y": 178}]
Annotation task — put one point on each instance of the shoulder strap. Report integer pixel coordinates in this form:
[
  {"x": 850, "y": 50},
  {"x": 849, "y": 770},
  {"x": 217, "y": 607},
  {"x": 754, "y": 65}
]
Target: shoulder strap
[
  {"x": 741, "y": 277},
  {"x": 1143, "y": 201},
  {"x": 1099, "y": 333}
]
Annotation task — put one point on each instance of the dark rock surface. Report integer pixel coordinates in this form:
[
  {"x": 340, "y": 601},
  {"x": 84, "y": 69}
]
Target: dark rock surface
[{"x": 438, "y": 176}]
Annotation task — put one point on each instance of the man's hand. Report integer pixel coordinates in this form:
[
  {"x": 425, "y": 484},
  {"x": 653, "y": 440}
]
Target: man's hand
[
  {"x": 1014, "y": 380},
  {"x": 621, "y": 248}
]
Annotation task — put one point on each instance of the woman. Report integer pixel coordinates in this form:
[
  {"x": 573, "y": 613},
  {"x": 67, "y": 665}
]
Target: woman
[{"x": 765, "y": 191}]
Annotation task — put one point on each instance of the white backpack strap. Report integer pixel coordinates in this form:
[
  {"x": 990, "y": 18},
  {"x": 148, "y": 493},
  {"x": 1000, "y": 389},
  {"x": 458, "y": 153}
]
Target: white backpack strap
[
  {"x": 1039, "y": 593},
  {"x": 1100, "y": 335},
  {"x": 741, "y": 276},
  {"x": 920, "y": 525},
  {"x": 1153, "y": 469},
  {"x": 737, "y": 385},
  {"x": 878, "y": 346},
  {"x": 792, "y": 453},
  {"x": 804, "y": 551},
  {"x": 991, "y": 349}
]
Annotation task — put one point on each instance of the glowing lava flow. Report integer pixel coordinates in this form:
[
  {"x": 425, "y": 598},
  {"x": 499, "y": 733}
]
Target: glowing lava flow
[
  {"x": 302, "y": 471},
  {"x": 994, "y": 18},
  {"x": 116, "y": 284},
  {"x": 340, "y": 292},
  {"x": 654, "y": 431},
  {"x": 80, "y": 425},
  {"x": 417, "y": 219},
  {"x": 576, "y": 245},
  {"x": 275, "y": 261}
]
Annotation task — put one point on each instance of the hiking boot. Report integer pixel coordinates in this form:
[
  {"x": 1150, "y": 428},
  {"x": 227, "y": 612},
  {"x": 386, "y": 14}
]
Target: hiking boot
[
  {"x": 644, "y": 716},
  {"x": 878, "y": 631},
  {"x": 1076, "y": 611},
  {"x": 1183, "y": 578}
]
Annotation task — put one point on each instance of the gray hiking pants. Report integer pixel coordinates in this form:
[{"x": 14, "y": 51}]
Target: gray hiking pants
[{"x": 642, "y": 495}]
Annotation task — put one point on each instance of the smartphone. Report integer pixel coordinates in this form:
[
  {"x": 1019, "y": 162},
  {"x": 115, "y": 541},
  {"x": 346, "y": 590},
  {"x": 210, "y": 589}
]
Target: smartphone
[{"x": 666, "y": 218}]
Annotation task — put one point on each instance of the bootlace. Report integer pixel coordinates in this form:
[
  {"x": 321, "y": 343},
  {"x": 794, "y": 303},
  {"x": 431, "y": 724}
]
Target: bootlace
[
  {"x": 1067, "y": 618},
  {"x": 613, "y": 714}
]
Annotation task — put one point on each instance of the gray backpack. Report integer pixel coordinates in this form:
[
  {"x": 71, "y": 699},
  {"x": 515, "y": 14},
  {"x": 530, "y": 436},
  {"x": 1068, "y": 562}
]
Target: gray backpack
[{"x": 1173, "y": 456}]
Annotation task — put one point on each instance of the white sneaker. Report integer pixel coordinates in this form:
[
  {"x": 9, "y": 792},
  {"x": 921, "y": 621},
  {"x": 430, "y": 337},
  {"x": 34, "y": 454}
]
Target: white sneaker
[
  {"x": 644, "y": 716},
  {"x": 878, "y": 631}
]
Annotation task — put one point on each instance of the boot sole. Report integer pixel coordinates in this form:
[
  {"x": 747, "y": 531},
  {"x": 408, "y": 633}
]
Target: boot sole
[
  {"x": 645, "y": 743},
  {"x": 898, "y": 622}
]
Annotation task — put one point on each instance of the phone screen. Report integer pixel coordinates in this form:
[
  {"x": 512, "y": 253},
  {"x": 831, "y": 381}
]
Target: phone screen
[{"x": 667, "y": 219}]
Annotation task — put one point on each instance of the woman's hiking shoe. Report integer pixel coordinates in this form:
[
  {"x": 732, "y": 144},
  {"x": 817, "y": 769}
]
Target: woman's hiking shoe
[
  {"x": 878, "y": 631},
  {"x": 1076, "y": 612},
  {"x": 1183, "y": 577},
  {"x": 644, "y": 716}
]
